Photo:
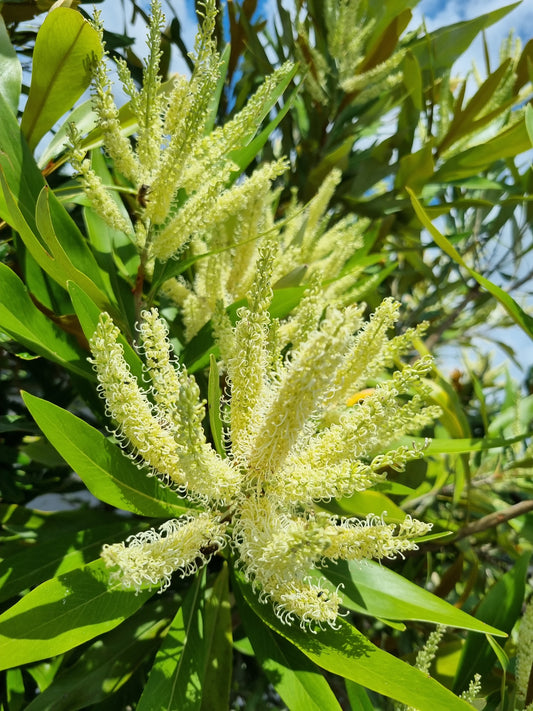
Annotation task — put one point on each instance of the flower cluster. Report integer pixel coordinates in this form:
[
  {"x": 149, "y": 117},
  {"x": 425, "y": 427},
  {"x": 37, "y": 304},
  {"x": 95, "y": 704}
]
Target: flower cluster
[
  {"x": 182, "y": 173},
  {"x": 295, "y": 436}
]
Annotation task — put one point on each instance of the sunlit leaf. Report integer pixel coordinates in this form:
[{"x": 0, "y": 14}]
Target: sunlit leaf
[{"x": 66, "y": 44}]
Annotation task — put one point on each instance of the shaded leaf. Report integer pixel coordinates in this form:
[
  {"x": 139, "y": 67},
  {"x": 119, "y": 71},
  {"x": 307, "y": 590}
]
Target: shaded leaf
[
  {"x": 347, "y": 652},
  {"x": 64, "y": 612},
  {"x": 10, "y": 70}
]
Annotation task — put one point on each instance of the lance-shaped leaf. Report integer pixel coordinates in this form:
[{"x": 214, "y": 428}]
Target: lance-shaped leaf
[
  {"x": 291, "y": 673},
  {"x": 519, "y": 316},
  {"x": 347, "y": 652},
  {"x": 76, "y": 539},
  {"x": 22, "y": 320},
  {"x": 68, "y": 258},
  {"x": 107, "y": 664},
  {"x": 64, "y": 612},
  {"x": 176, "y": 678},
  {"x": 64, "y": 48},
  {"x": 501, "y": 606},
  {"x": 10, "y": 70},
  {"x": 219, "y": 643},
  {"x": 107, "y": 473},
  {"x": 372, "y": 589}
]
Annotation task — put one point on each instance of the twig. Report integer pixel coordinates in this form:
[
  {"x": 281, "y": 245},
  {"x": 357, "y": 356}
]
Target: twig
[{"x": 494, "y": 519}]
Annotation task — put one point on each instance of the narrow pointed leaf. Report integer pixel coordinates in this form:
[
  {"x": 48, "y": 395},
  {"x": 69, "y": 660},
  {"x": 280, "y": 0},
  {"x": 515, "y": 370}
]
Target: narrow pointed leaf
[
  {"x": 64, "y": 612},
  {"x": 176, "y": 678},
  {"x": 501, "y": 606},
  {"x": 102, "y": 466},
  {"x": 22, "y": 320},
  {"x": 219, "y": 647},
  {"x": 347, "y": 652},
  {"x": 296, "y": 679},
  {"x": 518, "y": 315},
  {"x": 10, "y": 70},
  {"x": 373, "y": 589},
  {"x": 66, "y": 44}
]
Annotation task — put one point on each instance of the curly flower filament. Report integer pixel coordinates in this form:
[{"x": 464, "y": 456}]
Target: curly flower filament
[{"x": 291, "y": 442}]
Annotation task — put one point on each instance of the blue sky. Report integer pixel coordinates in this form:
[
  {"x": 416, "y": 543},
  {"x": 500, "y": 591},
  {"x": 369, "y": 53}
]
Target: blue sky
[{"x": 436, "y": 13}]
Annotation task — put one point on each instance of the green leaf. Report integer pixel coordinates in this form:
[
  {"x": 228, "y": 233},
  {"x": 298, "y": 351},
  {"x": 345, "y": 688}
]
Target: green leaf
[
  {"x": 52, "y": 256},
  {"x": 102, "y": 466},
  {"x": 219, "y": 646},
  {"x": 89, "y": 313},
  {"x": 472, "y": 161},
  {"x": 347, "y": 652},
  {"x": 64, "y": 612},
  {"x": 296, "y": 679},
  {"x": 501, "y": 606},
  {"x": 214, "y": 396},
  {"x": 373, "y": 589},
  {"x": 22, "y": 320},
  {"x": 443, "y": 445},
  {"x": 16, "y": 162},
  {"x": 10, "y": 70},
  {"x": 70, "y": 548},
  {"x": 66, "y": 44},
  {"x": 358, "y": 697},
  {"x": 518, "y": 315},
  {"x": 176, "y": 678},
  {"x": 529, "y": 122},
  {"x": 437, "y": 51},
  {"x": 108, "y": 663}
]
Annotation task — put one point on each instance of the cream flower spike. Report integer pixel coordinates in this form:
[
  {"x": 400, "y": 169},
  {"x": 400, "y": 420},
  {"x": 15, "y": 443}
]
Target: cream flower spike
[{"x": 290, "y": 443}]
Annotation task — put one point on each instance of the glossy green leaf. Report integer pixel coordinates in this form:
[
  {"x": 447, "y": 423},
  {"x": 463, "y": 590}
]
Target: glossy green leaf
[
  {"x": 219, "y": 646},
  {"x": 105, "y": 470},
  {"x": 213, "y": 403},
  {"x": 52, "y": 256},
  {"x": 438, "y": 51},
  {"x": 296, "y": 679},
  {"x": 508, "y": 143},
  {"x": 22, "y": 320},
  {"x": 373, "y": 589},
  {"x": 362, "y": 503},
  {"x": 518, "y": 315},
  {"x": 64, "y": 612},
  {"x": 68, "y": 549},
  {"x": 176, "y": 678},
  {"x": 348, "y": 653},
  {"x": 89, "y": 313},
  {"x": 441, "y": 445},
  {"x": 66, "y": 44},
  {"x": 107, "y": 664},
  {"x": 358, "y": 697},
  {"x": 501, "y": 606},
  {"x": 10, "y": 70},
  {"x": 18, "y": 166}
]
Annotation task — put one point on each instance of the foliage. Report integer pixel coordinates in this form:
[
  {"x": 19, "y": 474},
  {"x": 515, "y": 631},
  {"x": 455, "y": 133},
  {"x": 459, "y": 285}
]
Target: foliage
[{"x": 255, "y": 267}]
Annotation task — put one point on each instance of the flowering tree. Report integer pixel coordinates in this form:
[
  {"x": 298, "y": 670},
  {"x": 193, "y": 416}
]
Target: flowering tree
[{"x": 259, "y": 395}]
